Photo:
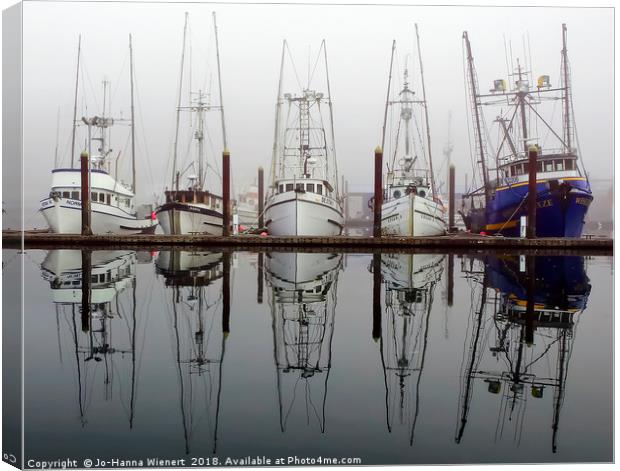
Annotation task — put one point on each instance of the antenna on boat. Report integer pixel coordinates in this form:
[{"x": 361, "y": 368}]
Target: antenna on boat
[
  {"x": 219, "y": 81},
  {"x": 277, "y": 123},
  {"x": 77, "y": 79},
  {"x": 387, "y": 100},
  {"x": 428, "y": 132},
  {"x": 133, "y": 140},
  {"x": 475, "y": 105},
  {"x": 176, "y": 133},
  {"x": 331, "y": 121}
]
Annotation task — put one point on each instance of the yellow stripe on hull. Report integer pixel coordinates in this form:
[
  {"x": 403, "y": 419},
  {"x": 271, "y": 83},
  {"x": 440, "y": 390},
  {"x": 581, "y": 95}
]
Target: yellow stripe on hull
[{"x": 501, "y": 188}]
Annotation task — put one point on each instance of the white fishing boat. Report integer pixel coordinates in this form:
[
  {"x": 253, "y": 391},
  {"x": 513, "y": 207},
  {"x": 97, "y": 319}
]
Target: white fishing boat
[
  {"x": 246, "y": 208},
  {"x": 303, "y": 198},
  {"x": 189, "y": 208},
  {"x": 112, "y": 201},
  {"x": 411, "y": 206}
]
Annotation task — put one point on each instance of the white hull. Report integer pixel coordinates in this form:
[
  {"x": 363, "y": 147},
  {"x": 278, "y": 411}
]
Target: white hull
[
  {"x": 413, "y": 216},
  {"x": 188, "y": 218},
  {"x": 303, "y": 214},
  {"x": 411, "y": 271},
  {"x": 64, "y": 216}
]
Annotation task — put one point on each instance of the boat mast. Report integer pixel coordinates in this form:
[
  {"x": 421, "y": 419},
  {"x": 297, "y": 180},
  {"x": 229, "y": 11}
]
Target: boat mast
[
  {"x": 219, "y": 81},
  {"x": 277, "y": 124},
  {"x": 477, "y": 117},
  {"x": 425, "y": 105},
  {"x": 331, "y": 124},
  {"x": 521, "y": 96},
  {"x": 176, "y": 134},
  {"x": 133, "y": 140},
  {"x": 567, "y": 123},
  {"x": 200, "y": 109},
  {"x": 387, "y": 100},
  {"x": 77, "y": 79}
]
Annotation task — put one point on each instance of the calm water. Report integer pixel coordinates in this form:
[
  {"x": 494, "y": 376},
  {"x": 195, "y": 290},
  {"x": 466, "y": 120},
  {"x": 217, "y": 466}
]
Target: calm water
[{"x": 331, "y": 355}]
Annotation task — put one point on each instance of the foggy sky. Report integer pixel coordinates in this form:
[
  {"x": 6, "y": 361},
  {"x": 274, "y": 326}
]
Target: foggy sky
[{"x": 358, "y": 42}]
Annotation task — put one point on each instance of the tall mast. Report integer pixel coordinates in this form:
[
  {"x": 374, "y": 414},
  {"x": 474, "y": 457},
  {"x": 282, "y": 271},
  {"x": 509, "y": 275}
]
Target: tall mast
[
  {"x": 77, "y": 79},
  {"x": 331, "y": 122},
  {"x": 521, "y": 95},
  {"x": 387, "y": 100},
  {"x": 176, "y": 133},
  {"x": 57, "y": 131},
  {"x": 567, "y": 123},
  {"x": 428, "y": 132},
  {"x": 133, "y": 140},
  {"x": 476, "y": 110},
  {"x": 200, "y": 136},
  {"x": 277, "y": 124},
  {"x": 219, "y": 81}
]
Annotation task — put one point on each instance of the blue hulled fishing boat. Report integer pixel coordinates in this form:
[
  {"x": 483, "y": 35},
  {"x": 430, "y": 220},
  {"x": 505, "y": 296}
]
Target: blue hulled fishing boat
[{"x": 563, "y": 192}]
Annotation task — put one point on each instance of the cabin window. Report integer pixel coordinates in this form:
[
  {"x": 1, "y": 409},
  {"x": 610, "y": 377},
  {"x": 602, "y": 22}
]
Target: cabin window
[
  {"x": 559, "y": 165},
  {"x": 539, "y": 167},
  {"x": 289, "y": 187},
  {"x": 65, "y": 194},
  {"x": 101, "y": 197},
  {"x": 319, "y": 189},
  {"x": 93, "y": 279},
  {"x": 108, "y": 199},
  {"x": 299, "y": 187},
  {"x": 310, "y": 187},
  {"x": 102, "y": 278},
  {"x": 93, "y": 196},
  {"x": 549, "y": 166},
  {"x": 397, "y": 194},
  {"x": 281, "y": 189},
  {"x": 526, "y": 168},
  {"x": 513, "y": 171},
  {"x": 75, "y": 195},
  {"x": 422, "y": 193},
  {"x": 569, "y": 164}
]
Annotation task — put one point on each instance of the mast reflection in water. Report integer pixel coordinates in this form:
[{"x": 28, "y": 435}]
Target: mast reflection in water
[
  {"x": 86, "y": 291},
  {"x": 522, "y": 330},
  {"x": 435, "y": 359},
  {"x": 409, "y": 282},
  {"x": 303, "y": 307},
  {"x": 196, "y": 310}
]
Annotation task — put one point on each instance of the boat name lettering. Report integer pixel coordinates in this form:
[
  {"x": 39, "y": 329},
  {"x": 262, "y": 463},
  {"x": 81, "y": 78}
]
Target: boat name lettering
[
  {"x": 583, "y": 201},
  {"x": 544, "y": 204}
]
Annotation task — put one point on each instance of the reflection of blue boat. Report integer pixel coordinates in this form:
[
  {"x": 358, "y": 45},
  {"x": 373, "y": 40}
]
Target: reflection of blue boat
[
  {"x": 561, "y": 284},
  {"x": 513, "y": 338},
  {"x": 563, "y": 193}
]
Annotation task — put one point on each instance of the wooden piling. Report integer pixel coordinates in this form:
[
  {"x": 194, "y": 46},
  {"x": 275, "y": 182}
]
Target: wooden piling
[
  {"x": 226, "y": 293},
  {"x": 259, "y": 279},
  {"x": 450, "y": 279},
  {"x": 261, "y": 197},
  {"x": 84, "y": 176},
  {"x": 376, "y": 296},
  {"x": 531, "y": 191},
  {"x": 86, "y": 289},
  {"x": 530, "y": 261},
  {"x": 226, "y": 191},
  {"x": 378, "y": 198},
  {"x": 451, "y": 199}
]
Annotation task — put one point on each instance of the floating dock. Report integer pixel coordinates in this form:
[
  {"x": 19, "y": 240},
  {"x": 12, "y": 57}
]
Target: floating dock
[{"x": 459, "y": 242}]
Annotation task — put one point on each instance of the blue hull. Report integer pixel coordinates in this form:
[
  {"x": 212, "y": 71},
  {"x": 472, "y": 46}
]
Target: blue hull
[{"x": 560, "y": 211}]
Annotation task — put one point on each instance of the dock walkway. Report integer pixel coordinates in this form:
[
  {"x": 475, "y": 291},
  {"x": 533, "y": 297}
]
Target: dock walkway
[{"x": 449, "y": 243}]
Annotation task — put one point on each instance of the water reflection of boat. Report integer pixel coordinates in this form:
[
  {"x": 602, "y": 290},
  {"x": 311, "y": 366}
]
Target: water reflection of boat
[
  {"x": 530, "y": 308},
  {"x": 194, "y": 302},
  {"x": 91, "y": 286},
  {"x": 409, "y": 283},
  {"x": 303, "y": 306}
]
